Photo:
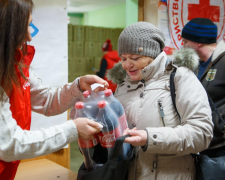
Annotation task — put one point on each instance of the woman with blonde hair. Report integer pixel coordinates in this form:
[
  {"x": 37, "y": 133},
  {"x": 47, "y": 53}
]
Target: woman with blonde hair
[{"x": 163, "y": 139}]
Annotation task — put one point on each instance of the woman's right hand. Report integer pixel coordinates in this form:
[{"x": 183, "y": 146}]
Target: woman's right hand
[
  {"x": 86, "y": 128},
  {"x": 87, "y": 80}
]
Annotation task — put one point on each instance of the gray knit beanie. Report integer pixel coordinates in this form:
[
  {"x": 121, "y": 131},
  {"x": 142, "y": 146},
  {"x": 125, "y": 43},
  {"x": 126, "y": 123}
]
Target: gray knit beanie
[{"x": 141, "y": 38}]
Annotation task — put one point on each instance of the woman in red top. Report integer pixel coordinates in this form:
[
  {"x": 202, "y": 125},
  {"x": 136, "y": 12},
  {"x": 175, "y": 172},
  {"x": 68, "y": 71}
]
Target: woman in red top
[
  {"x": 22, "y": 91},
  {"x": 109, "y": 59}
]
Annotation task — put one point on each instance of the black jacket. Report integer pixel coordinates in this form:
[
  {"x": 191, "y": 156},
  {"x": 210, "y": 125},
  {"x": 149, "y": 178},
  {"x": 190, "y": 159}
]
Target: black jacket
[{"x": 213, "y": 81}]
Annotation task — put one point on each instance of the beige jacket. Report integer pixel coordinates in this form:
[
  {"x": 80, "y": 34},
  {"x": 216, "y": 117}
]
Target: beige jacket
[{"x": 169, "y": 147}]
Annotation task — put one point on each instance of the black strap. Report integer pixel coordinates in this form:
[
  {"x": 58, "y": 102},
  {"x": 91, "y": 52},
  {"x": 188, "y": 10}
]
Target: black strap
[
  {"x": 103, "y": 68},
  {"x": 213, "y": 106},
  {"x": 173, "y": 96},
  {"x": 117, "y": 147},
  {"x": 172, "y": 90}
]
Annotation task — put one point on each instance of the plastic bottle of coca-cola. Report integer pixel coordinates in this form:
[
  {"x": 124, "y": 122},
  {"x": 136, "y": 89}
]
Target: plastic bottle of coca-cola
[
  {"x": 87, "y": 147},
  {"x": 90, "y": 105},
  {"x": 87, "y": 96},
  {"x": 118, "y": 109},
  {"x": 111, "y": 130}
]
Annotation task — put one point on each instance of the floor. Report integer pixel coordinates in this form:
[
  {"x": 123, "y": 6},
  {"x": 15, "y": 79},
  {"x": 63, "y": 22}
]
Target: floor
[
  {"x": 76, "y": 158},
  {"x": 43, "y": 169}
]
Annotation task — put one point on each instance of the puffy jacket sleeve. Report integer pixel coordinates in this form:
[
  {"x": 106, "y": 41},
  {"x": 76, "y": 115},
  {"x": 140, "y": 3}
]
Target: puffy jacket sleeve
[
  {"x": 16, "y": 143},
  {"x": 50, "y": 100},
  {"x": 196, "y": 129}
]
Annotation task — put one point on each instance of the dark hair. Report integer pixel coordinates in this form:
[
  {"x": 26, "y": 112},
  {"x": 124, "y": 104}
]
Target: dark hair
[{"x": 14, "y": 16}]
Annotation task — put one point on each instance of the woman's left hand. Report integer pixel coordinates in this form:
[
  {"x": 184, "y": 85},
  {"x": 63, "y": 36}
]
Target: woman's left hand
[
  {"x": 138, "y": 137},
  {"x": 87, "y": 80}
]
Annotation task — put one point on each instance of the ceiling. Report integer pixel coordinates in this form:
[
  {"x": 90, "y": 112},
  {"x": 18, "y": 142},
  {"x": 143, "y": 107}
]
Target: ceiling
[{"x": 82, "y": 6}]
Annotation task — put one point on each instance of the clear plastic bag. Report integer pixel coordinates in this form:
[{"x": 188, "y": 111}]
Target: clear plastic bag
[{"x": 105, "y": 109}]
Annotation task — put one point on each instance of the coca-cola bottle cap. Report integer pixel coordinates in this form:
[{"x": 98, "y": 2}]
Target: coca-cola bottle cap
[
  {"x": 79, "y": 105},
  {"x": 101, "y": 104},
  {"x": 86, "y": 93},
  {"x": 108, "y": 92}
]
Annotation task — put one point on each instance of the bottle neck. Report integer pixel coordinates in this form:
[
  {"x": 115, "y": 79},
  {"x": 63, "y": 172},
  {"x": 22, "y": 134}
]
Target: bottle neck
[
  {"x": 79, "y": 113},
  {"x": 102, "y": 111},
  {"x": 86, "y": 99},
  {"x": 109, "y": 99}
]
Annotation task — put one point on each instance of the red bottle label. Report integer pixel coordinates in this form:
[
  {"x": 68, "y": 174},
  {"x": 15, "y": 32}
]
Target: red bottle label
[
  {"x": 108, "y": 139},
  {"x": 123, "y": 122},
  {"x": 88, "y": 144}
]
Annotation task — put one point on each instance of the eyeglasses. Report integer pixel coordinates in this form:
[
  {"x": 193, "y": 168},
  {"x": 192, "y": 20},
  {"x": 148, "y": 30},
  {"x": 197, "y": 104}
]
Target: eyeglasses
[{"x": 34, "y": 33}]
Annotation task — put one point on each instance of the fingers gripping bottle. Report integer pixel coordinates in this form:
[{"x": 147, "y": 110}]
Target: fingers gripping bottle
[
  {"x": 118, "y": 109},
  {"x": 86, "y": 147},
  {"x": 111, "y": 130}
]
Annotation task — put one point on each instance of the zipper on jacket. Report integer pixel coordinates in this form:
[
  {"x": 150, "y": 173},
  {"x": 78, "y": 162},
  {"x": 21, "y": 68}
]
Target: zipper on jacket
[
  {"x": 161, "y": 111},
  {"x": 143, "y": 81},
  {"x": 155, "y": 163}
]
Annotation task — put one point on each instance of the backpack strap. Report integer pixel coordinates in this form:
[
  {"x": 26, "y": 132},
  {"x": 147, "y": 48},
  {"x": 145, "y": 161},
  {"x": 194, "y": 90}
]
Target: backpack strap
[
  {"x": 214, "y": 108},
  {"x": 172, "y": 90}
]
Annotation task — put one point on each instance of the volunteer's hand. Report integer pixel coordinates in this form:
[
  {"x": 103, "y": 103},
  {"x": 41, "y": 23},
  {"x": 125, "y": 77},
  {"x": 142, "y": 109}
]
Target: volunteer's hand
[
  {"x": 87, "y": 128},
  {"x": 138, "y": 137},
  {"x": 87, "y": 80}
]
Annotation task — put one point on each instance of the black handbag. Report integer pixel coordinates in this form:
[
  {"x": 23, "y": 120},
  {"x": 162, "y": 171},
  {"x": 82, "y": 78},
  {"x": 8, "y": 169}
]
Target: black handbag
[
  {"x": 219, "y": 123},
  {"x": 209, "y": 168},
  {"x": 111, "y": 170},
  {"x": 206, "y": 168}
]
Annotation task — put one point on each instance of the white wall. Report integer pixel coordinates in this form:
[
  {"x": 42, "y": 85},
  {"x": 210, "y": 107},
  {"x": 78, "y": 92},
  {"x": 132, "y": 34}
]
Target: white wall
[{"x": 50, "y": 61}]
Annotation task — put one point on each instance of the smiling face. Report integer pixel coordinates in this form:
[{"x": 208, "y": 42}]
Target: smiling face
[{"x": 133, "y": 64}]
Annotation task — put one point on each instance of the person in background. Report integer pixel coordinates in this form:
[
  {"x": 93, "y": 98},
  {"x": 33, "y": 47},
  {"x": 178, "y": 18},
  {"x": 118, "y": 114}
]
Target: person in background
[
  {"x": 201, "y": 35},
  {"x": 163, "y": 139},
  {"x": 109, "y": 59},
  {"x": 22, "y": 91}
]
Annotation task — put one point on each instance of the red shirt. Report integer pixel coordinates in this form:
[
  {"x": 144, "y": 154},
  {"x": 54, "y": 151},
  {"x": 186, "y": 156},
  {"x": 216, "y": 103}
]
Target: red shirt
[
  {"x": 112, "y": 58},
  {"x": 20, "y": 107}
]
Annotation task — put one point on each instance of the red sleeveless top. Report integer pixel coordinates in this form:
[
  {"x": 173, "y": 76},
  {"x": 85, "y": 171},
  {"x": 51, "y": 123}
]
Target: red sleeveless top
[
  {"x": 112, "y": 58},
  {"x": 20, "y": 108}
]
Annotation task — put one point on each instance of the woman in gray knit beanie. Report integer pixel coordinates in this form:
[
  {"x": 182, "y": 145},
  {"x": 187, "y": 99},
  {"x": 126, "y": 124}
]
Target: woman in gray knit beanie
[{"x": 163, "y": 139}]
